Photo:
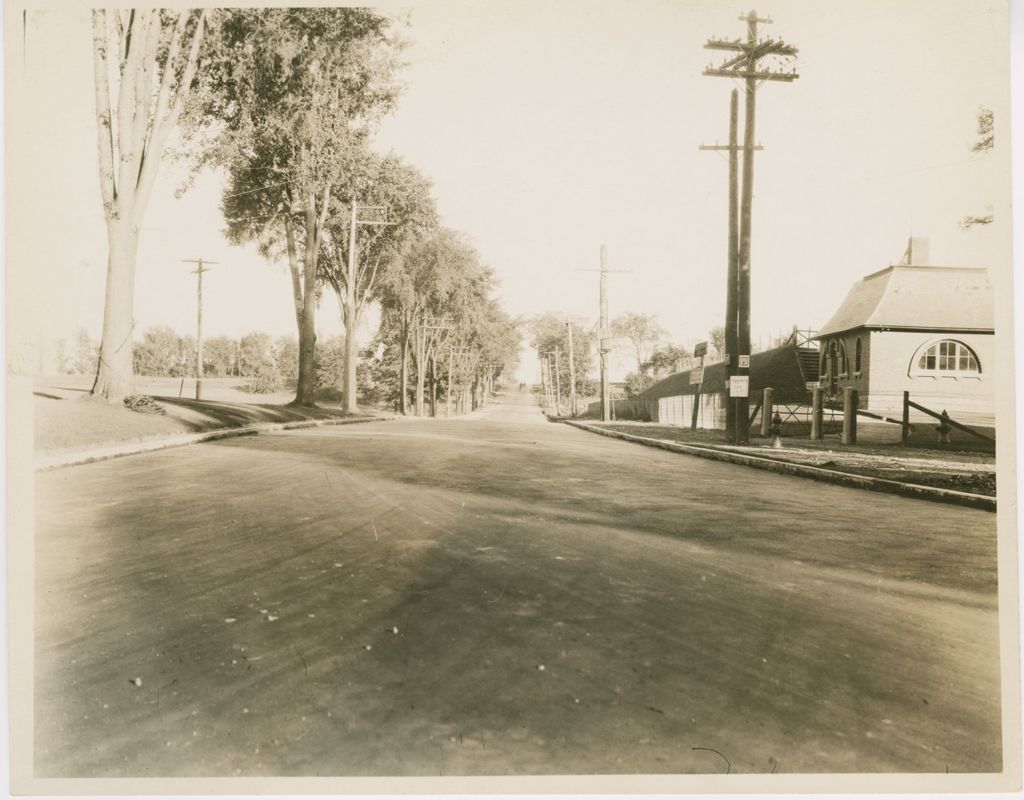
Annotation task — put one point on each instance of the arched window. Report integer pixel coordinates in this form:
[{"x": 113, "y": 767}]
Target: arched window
[
  {"x": 948, "y": 357},
  {"x": 856, "y": 357},
  {"x": 845, "y": 370}
]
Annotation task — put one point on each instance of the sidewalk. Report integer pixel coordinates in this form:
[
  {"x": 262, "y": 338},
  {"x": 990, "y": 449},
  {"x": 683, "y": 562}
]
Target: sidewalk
[{"x": 964, "y": 478}]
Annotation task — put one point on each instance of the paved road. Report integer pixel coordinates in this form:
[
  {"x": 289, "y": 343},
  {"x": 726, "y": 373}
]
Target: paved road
[{"x": 563, "y": 602}]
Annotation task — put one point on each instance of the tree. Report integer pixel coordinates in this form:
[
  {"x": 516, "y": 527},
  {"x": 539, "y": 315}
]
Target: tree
[
  {"x": 255, "y": 352},
  {"x": 984, "y": 143},
  {"x": 635, "y": 384},
  {"x": 642, "y": 330},
  {"x": 293, "y": 93},
  {"x": 83, "y": 359},
  {"x": 163, "y": 352},
  {"x": 420, "y": 283},
  {"x": 550, "y": 332},
  {"x": 716, "y": 338},
  {"x": 220, "y": 356},
  {"x": 666, "y": 359},
  {"x": 286, "y": 353},
  {"x": 149, "y": 58},
  {"x": 401, "y": 200}
]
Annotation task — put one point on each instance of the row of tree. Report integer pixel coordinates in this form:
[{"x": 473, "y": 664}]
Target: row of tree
[{"x": 282, "y": 101}]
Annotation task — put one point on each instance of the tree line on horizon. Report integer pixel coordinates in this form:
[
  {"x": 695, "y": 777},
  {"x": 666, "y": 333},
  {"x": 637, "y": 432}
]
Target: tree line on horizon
[{"x": 282, "y": 103}]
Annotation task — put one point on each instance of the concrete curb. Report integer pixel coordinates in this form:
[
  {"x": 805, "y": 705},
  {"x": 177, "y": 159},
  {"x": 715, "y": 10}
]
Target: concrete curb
[
  {"x": 919, "y": 491},
  {"x": 56, "y": 461}
]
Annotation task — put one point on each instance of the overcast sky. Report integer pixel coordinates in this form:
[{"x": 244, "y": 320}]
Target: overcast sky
[{"x": 550, "y": 127}]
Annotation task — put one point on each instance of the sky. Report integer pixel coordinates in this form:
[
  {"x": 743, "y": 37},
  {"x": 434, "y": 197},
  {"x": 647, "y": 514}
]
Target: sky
[{"x": 552, "y": 127}]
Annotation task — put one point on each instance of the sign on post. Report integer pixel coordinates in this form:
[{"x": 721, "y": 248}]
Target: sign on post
[
  {"x": 744, "y": 364},
  {"x": 739, "y": 386},
  {"x": 700, "y": 349},
  {"x": 697, "y": 375}
]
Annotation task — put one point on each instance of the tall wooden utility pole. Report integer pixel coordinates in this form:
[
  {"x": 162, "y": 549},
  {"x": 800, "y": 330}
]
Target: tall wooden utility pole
[
  {"x": 198, "y": 272},
  {"x": 558, "y": 385},
  {"x": 744, "y": 64},
  {"x": 604, "y": 334},
  {"x": 572, "y": 373},
  {"x": 732, "y": 284},
  {"x": 448, "y": 391}
]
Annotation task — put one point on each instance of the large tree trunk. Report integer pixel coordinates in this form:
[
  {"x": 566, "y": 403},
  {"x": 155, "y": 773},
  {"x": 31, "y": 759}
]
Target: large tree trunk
[
  {"x": 305, "y": 319},
  {"x": 115, "y": 367},
  {"x": 420, "y": 371},
  {"x": 305, "y": 389},
  {"x": 403, "y": 381},
  {"x": 149, "y": 100}
]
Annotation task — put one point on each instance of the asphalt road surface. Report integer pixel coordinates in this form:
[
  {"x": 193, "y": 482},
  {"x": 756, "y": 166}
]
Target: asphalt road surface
[{"x": 498, "y": 595}]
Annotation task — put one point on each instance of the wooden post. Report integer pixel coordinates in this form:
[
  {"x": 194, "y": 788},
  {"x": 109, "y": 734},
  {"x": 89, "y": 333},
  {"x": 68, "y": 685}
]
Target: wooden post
[
  {"x": 767, "y": 410},
  {"x": 817, "y": 415},
  {"x": 849, "y": 415},
  {"x": 905, "y": 433}
]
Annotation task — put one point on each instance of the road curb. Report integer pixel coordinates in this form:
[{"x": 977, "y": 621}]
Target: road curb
[
  {"x": 919, "y": 491},
  {"x": 46, "y": 463}
]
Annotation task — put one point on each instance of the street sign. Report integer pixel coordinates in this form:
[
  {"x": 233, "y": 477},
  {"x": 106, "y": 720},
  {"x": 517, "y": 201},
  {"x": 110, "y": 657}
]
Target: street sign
[
  {"x": 700, "y": 349},
  {"x": 739, "y": 386},
  {"x": 812, "y": 385},
  {"x": 744, "y": 362},
  {"x": 697, "y": 375}
]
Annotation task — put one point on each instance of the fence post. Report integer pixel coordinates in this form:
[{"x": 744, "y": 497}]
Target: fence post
[
  {"x": 767, "y": 408},
  {"x": 849, "y": 415},
  {"x": 906, "y": 419},
  {"x": 817, "y": 414}
]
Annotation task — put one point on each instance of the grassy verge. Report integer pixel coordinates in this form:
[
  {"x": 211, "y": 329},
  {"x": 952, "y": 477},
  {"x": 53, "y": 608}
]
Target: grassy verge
[
  {"x": 961, "y": 471},
  {"x": 71, "y": 425}
]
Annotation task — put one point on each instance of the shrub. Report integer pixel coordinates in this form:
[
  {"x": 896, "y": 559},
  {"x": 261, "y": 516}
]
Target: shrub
[
  {"x": 143, "y": 404},
  {"x": 267, "y": 379}
]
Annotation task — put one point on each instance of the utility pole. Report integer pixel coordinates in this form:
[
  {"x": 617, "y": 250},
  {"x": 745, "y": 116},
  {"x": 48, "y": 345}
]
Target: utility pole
[
  {"x": 448, "y": 392},
  {"x": 198, "y": 271},
  {"x": 732, "y": 281},
  {"x": 558, "y": 385},
  {"x": 744, "y": 64},
  {"x": 572, "y": 373},
  {"x": 604, "y": 334}
]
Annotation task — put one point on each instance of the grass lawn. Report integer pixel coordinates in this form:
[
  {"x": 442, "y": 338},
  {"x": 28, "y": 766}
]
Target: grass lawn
[{"x": 66, "y": 420}]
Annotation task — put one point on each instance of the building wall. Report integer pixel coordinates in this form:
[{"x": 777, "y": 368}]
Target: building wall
[
  {"x": 859, "y": 380},
  {"x": 892, "y": 360}
]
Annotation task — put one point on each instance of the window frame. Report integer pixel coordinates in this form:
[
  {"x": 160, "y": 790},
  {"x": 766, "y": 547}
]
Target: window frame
[{"x": 946, "y": 351}]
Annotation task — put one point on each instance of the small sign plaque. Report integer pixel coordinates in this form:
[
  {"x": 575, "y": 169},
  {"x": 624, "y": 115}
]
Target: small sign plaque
[
  {"x": 697, "y": 375},
  {"x": 744, "y": 362},
  {"x": 739, "y": 386},
  {"x": 700, "y": 349}
]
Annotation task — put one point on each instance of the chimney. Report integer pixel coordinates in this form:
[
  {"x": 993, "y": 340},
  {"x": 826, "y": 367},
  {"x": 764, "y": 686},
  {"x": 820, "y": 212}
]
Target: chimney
[{"x": 917, "y": 252}]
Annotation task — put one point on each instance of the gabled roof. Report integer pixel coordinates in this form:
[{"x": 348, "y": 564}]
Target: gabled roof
[{"x": 917, "y": 298}]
